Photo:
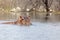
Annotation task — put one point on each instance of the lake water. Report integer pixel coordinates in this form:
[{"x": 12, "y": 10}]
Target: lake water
[{"x": 36, "y": 31}]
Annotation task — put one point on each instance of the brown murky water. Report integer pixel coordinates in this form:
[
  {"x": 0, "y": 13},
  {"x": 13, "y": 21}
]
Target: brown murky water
[{"x": 38, "y": 16}]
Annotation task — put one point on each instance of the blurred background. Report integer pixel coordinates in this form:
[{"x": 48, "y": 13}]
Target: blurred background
[{"x": 38, "y": 10}]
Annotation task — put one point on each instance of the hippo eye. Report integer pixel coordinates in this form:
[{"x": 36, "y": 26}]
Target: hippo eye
[{"x": 22, "y": 19}]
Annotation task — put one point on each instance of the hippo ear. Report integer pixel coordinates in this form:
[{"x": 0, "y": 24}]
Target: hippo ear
[
  {"x": 20, "y": 16},
  {"x": 28, "y": 16}
]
